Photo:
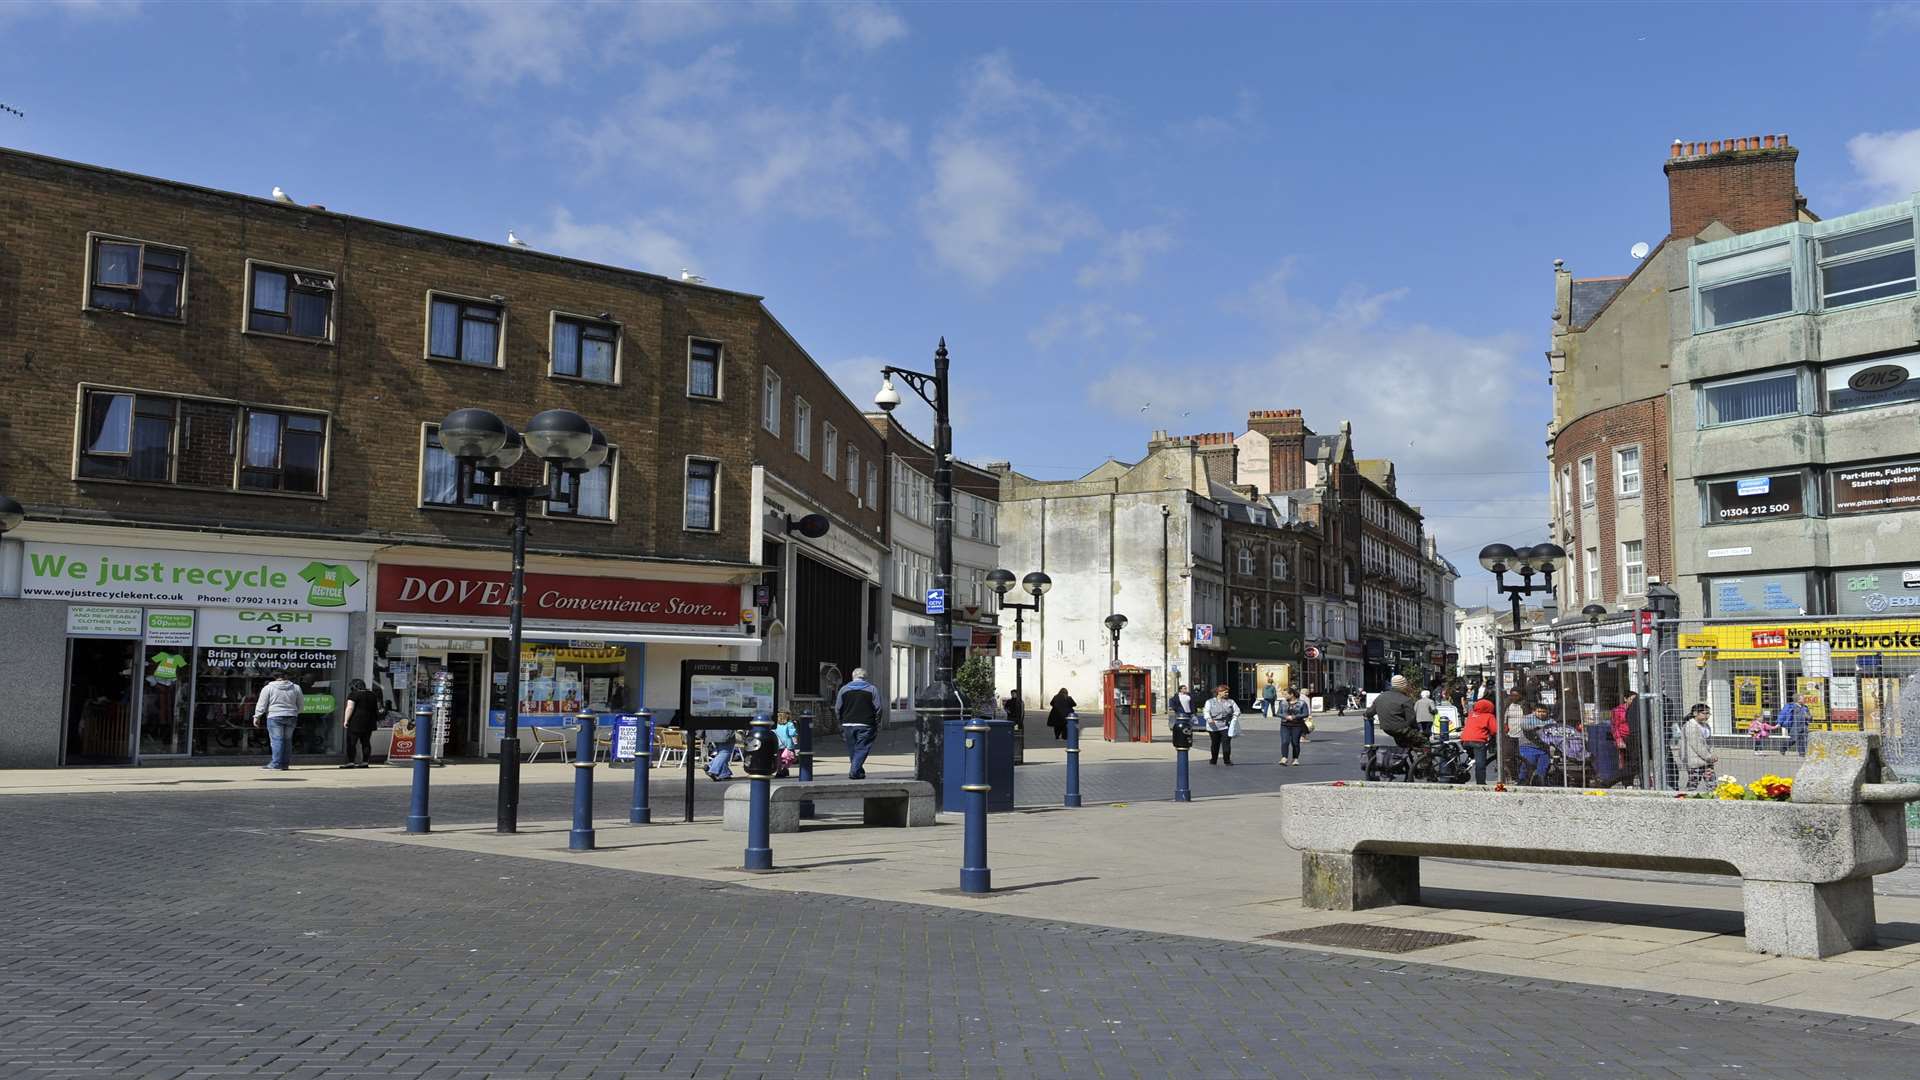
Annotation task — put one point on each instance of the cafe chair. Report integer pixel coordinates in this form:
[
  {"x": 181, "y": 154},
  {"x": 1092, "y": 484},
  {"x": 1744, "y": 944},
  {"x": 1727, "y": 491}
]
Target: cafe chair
[{"x": 544, "y": 737}]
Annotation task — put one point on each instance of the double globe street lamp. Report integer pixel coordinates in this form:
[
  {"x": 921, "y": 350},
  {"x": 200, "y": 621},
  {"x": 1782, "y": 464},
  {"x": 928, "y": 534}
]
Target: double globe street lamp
[
  {"x": 1036, "y": 584},
  {"x": 482, "y": 443}
]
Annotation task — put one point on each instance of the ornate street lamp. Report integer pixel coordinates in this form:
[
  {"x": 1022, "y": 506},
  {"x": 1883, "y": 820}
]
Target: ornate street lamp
[
  {"x": 1036, "y": 584},
  {"x": 482, "y": 442}
]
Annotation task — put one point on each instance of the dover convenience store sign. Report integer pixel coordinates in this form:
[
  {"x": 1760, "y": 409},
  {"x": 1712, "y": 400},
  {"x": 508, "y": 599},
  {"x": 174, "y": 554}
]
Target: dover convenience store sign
[
  {"x": 450, "y": 591},
  {"x": 1783, "y": 640},
  {"x": 146, "y": 576}
]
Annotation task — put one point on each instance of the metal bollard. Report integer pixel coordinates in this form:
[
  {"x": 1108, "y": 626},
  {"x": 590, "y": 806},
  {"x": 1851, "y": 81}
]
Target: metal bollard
[
  {"x": 1073, "y": 759},
  {"x": 581, "y": 837},
  {"x": 418, "y": 819},
  {"x": 642, "y": 812},
  {"x": 1182, "y": 746},
  {"x": 804, "y": 751},
  {"x": 974, "y": 875},
  {"x": 761, "y": 751},
  {"x": 1366, "y": 729}
]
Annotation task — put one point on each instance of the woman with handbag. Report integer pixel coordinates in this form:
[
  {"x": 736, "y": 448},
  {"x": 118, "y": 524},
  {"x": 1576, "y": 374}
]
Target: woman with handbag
[
  {"x": 1296, "y": 720},
  {"x": 1223, "y": 723}
]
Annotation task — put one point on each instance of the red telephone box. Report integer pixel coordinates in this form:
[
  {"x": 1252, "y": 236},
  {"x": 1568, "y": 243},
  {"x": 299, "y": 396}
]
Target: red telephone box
[{"x": 1129, "y": 704}]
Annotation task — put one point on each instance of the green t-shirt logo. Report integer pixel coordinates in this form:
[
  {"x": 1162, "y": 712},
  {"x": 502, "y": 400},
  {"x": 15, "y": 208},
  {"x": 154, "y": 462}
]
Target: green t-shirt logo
[
  {"x": 166, "y": 666},
  {"x": 327, "y": 584}
]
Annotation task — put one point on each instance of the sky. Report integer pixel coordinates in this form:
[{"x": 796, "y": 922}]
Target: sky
[{"x": 1122, "y": 218}]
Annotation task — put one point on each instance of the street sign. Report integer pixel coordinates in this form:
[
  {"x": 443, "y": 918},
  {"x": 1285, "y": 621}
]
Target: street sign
[
  {"x": 1313, "y": 652},
  {"x": 1023, "y": 650},
  {"x": 1203, "y": 634},
  {"x": 936, "y": 601}
]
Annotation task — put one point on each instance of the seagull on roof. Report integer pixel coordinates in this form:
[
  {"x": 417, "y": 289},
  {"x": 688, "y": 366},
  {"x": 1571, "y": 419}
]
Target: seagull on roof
[
  {"x": 514, "y": 241},
  {"x": 281, "y": 196}
]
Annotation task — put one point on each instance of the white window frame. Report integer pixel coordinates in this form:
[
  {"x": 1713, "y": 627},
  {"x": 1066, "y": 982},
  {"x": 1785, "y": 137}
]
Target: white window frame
[
  {"x": 431, "y": 429},
  {"x": 619, "y": 346},
  {"x": 1591, "y": 591},
  {"x": 719, "y": 369},
  {"x": 612, "y": 465},
  {"x": 830, "y": 450},
  {"x": 333, "y": 303},
  {"x": 1621, "y": 472},
  {"x": 686, "y": 483},
  {"x": 87, "y": 284},
  {"x": 1566, "y": 490},
  {"x": 1589, "y": 482},
  {"x": 1629, "y": 566},
  {"x": 499, "y": 338},
  {"x": 873, "y": 486},
  {"x": 770, "y": 401},
  {"x": 802, "y": 428},
  {"x": 853, "y": 470}
]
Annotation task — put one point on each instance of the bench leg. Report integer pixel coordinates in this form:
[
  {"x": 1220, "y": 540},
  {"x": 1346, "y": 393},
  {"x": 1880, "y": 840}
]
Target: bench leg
[
  {"x": 1335, "y": 881},
  {"x": 891, "y": 813},
  {"x": 1798, "y": 918}
]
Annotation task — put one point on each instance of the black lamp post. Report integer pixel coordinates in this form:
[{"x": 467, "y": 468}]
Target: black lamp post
[
  {"x": 1544, "y": 560},
  {"x": 1036, "y": 584},
  {"x": 935, "y": 705},
  {"x": 1116, "y": 622},
  {"x": 479, "y": 440},
  {"x": 1594, "y": 613}
]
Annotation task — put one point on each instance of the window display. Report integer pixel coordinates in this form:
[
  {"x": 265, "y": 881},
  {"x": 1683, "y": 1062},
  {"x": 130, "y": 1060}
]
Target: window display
[{"x": 227, "y": 681}]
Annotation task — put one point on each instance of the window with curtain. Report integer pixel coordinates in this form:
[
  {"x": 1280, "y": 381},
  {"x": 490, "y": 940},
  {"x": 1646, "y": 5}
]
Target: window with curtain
[
  {"x": 128, "y": 437},
  {"x": 702, "y": 481},
  {"x": 465, "y": 331},
  {"x": 440, "y": 477},
  {"x": 137, "y": 278},
  {"x": 1870, "y": 264},
  {"x": 1738, "y": 401},
  {"x": 596, "y": 491},
  {"x": 1742, "y": 287},
  {"x": 291, "y": 302},
  {"x": 703, "y": 369},
  {"x": 283, "y": 451},
  {"x": 584, "y": 348}
]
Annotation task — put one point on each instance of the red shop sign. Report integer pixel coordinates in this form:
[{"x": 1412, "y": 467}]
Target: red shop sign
[{"x": 435, "y": 590}]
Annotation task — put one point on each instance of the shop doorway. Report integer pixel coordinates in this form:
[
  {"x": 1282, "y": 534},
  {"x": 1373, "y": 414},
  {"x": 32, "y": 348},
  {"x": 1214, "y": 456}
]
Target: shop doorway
[
  {"x": 100, "y": 694},
  {"x": 469, "y": 697}
]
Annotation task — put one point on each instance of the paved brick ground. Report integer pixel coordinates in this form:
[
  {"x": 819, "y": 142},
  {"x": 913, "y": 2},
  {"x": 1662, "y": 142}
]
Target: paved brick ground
[{"x": 202, "y": 935}]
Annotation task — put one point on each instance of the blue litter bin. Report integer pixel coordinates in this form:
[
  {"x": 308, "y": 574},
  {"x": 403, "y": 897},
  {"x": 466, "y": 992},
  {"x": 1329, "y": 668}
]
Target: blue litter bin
[{"x": 999, "y": 765}]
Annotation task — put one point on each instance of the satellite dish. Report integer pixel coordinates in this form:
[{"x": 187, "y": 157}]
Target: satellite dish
[{"x": 1640, "y": 250}]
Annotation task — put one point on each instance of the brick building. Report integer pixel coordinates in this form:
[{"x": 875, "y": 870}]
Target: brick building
[
  {"x": 223, "y": 430},
  {"x": 1393, "y": 578},
  {"x": 1609, "y": 359}
]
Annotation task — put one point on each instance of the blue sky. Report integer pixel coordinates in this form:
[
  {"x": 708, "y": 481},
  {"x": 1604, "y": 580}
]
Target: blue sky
[{"x": 1121, "y": 217}]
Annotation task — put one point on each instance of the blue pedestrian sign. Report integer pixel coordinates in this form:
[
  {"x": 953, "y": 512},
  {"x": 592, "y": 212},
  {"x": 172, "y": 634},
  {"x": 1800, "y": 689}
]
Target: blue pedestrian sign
[{"x": 936, "y": 601}]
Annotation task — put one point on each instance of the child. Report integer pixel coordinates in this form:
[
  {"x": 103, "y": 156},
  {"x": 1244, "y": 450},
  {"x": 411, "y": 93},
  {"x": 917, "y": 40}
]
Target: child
[
  {"x": 1760, "y": 728},
  {"x": 789, "y": 737}
]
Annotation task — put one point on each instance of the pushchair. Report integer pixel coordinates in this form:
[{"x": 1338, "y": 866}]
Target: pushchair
[
  {"x": 1443, "y": 762},
  {"x": 1568, "y": 758}
]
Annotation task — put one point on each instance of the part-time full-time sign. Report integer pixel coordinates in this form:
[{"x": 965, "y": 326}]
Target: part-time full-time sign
[{"x": 151, "y": 576}]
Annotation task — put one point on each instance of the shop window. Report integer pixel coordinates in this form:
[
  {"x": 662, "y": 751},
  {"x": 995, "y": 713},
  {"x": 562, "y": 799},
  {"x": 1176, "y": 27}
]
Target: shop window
[
  {"x": 291, "y": 303},
  {"x": 586, "y": 349},
  {"x": 127, "y": 436},
  {"x": 1895, "y": 381},
  {"x": 703, "y": 369},
  {"x": 1881, "y": 486},
  {"x": 1759, "y": 397},
  {"x": 227, "y": 683},
  {"x": 464, "y": 331},
  {"x": 284, "y": 451},
  {"x": 596, "y": 491},
  {"x": 702, "y": 500},
  {"x": 1755, "y": 498},
  {"x": 136, "y": 278}
]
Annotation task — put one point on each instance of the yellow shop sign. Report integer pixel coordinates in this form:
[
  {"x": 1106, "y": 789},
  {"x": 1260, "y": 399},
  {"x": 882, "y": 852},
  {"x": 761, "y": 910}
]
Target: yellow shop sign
[{"x": 1845, "y": 637}]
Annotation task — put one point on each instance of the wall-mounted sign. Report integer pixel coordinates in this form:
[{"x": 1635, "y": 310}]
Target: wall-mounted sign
[
  {"x": 1877, "y": 379},
  {"x": 1877, "y": 590},
  {"x": 170, "y": 629},
  {"x": 456, "y": 591},
  {"x": 1203, "y": 634},
  {"x": 144, "y": 575},
  {"x": 936, "y": 601},
  {"x": 1728, "y": 553},
  {"x": 1866, "y": 489},
  {"x": 1753, "y": 498},
  {"x": 87, "y": 620},
  {"x": 263, "y": 628},
  {"x": 1865, "y": 639},
  {"x": 1774, "y": 594},
  {"x": 1023, "y": 650},
  {"x": 726, "y": 693}
]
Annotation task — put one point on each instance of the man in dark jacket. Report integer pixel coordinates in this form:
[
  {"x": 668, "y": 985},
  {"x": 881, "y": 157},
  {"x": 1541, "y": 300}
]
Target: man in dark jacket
[
  {"x": 858, "y": 706},
  {"x": 1393, "y": 712}
]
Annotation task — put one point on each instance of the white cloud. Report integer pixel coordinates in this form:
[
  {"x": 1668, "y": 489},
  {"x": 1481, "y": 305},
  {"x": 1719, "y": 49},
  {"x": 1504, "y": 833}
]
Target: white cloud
[
  {"x": 78, "y": 9},
  {"x": 868, "y": 25},
  {"x": 1888, "y": 162},
  {"x": 1086, "y": 324},
  {"x": 1411, "y": 390},
  {"x": 636, "y": 243},
  {"x": 1123, "y": 258}
]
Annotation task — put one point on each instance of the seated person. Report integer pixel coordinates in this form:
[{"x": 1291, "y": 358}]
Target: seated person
[
  {"x": 1393, "y": 711},
  {"x": 1535, "y": 759}
]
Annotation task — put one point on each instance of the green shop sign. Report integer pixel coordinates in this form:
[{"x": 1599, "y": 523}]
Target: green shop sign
[
  {"x": 317, "y": 705},
  {"x": 1247, "y": 643},
  {"x": 93, "y": 573}
]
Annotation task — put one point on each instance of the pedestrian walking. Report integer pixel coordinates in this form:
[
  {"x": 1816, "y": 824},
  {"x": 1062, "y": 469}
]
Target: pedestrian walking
[
  {"x": 1017, "y": 714},
  {"x": 1794, "y": 718},
  {"x": 1270, "y": 698},
  {"x": 1628, "y": 722},
  {"x": 1180, "y": 706},
  {"x": 858, "y": 707},
  {"x": 1223, "y": 723},
  {"x": 1058, "y": 710},
  {"x": 278, "y": 710},
  {"x": 1340, "y": 694},
  {"x": 362, "y": 717},
  {"x": 1296, "y": 716},
  {"x": 1695, "y": 751},
  {"x": 720, "y": 765},
  {"x": 1425, "y": 714},
  {"x": 1482, "y": 727},
  {"x": 1515, "y": 715}
]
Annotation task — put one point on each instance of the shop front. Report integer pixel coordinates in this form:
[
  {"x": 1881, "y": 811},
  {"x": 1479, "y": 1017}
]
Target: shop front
[
  {"x": 165, "y": 651},
  {"x": 593, "y": 643},
  {"x": 1257, "y": 656}
]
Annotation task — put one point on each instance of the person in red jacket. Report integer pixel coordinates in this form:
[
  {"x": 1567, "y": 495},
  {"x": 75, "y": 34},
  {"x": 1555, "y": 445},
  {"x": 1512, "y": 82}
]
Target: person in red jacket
[{"x": 1482, "y": 728}]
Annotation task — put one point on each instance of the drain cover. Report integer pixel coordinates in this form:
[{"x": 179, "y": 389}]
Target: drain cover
[{"x": 1387, "y": 939}]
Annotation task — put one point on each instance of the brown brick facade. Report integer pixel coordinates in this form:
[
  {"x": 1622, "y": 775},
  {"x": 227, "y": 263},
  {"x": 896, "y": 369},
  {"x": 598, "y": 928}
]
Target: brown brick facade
[
  {"x": 1636, "y": 423},
  {"x": 1745, "y": 184},
  {"x": 372, "y": 379}
]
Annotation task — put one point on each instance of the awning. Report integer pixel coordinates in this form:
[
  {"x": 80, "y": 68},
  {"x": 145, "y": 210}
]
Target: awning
[{"x": 576, "y": 633}]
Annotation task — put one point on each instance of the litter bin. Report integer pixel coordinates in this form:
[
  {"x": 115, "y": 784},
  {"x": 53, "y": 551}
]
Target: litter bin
[{"x": 999, "y": 765}]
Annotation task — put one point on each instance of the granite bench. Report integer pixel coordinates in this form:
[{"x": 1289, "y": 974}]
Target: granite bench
[
  {"x": 896, "y": 803},
  {"x": 1806, "y": 866}
]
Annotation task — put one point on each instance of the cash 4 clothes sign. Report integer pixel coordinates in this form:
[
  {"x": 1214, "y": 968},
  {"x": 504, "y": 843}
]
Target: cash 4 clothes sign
[{"x": 150, "y": 576}]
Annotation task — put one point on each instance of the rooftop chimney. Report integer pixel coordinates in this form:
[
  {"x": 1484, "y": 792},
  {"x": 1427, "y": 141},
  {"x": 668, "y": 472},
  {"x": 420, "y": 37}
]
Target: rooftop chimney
[
  {"x": 1743, "y": 183},
  {"x": 1286, "y": 433}
]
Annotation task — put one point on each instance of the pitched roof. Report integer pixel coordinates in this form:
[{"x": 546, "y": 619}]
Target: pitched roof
[{"x": 1592, "y": 294}]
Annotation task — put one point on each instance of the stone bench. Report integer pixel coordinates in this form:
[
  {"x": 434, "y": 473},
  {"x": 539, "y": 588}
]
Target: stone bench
[
  {"x": 1806, "y": 866},
  {"x": 897, "y": 803}
]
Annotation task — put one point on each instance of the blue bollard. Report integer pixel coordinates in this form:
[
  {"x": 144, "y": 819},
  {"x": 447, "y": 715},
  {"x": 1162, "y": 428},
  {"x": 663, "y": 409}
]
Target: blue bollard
[
  {"x": 418, "y": 820},
  {"x": 761, "y": 750},
  {"x": 804, "y": 751},
  {"x": 642, "y": 812},
  {"x": 1182, "y": 790},
  {"x": 581, "y": 837},
  {"x": 1073, "y": 759},
  {"x": 974, "y": 875},
  {"x": 1366, "y": 730}
]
